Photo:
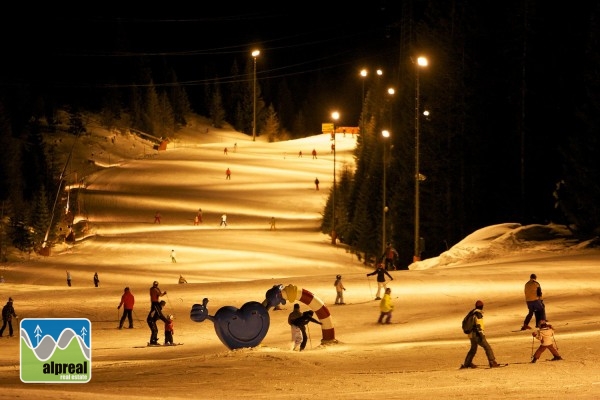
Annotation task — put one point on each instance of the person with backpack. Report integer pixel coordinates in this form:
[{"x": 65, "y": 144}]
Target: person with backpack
[
  {"x": 389, "y": 256},
  {"x": 381, "y": 284},
  {"x": 301, "y": 322},
  {"x": 545, "y": 334},
  {"x": 535, "y": 303},
  {"x": 8, "y": 312},
  {"x": 477, "y": 337}
]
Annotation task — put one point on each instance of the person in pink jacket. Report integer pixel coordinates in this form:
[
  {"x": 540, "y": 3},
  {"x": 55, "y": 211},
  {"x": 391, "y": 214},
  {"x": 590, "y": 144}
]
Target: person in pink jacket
[
  {"x": 545, "y": 334},
  {"x": 127, "y": 301}
]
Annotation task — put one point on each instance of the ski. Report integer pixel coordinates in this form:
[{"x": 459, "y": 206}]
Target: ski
[{"x": 500, "y": 365}]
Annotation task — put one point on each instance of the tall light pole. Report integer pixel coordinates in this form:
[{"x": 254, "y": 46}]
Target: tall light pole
[
  {"x": 255, "y": 53},
  {"x": 391, "y": 91},
  {"x": 363, "y": 73},
  {"x": 421, "y": 62},
  {"x": 385, "y": 134},
  {"x": 335, "y": 116}
]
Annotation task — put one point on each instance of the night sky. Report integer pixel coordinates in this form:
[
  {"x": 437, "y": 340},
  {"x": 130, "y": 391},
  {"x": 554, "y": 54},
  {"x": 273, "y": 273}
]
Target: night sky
[{"x": 74, "y": 49}]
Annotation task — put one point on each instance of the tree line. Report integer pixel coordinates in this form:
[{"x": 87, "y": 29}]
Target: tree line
[{"x": 511, "y": 135}]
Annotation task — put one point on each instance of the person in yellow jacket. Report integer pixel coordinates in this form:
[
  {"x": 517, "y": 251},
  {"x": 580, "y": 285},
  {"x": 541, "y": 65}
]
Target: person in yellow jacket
[
  {"x": 477, "y": 338},
  {"x": 535, "y": 303},
  {"x": 386, "y": 306}
]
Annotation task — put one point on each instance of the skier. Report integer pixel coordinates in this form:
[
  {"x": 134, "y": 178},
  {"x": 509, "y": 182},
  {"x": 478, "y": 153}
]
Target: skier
[
  {"x": 173, "y": 259},
  {"x": 339, "y": 290},
  {"x": 296, "y": 332},
  {"x": 477, "y": 338},
  {"x": 182, "y": 280},
  {"x": 68, "y": 278},
  {"x": 317, "y": 183},
  {"x": 381, "y": 284},
  {"x": 127, "y": 301},
  {"x": 389, "y": 256},
  {"x": 154, "y": 315},
  {"x": 155, "y": 293},
  {"x": 96, "y": 279},
  {"x": 8, "y": 312},
  {"x": 314, "y": 154},
  {"x": 169, "y": 330},
  {"x": 545, "y": 335},
  {"x": 223, "y": 220},
  {"x": 157, "y": 218},
  {"x": 301, "y": 322},
  {"x": 228, "y": 174},
  {"x": 386, "y": 306},
  {"x": 273, "y": 224},
  {"x": 535, "y": 304}
]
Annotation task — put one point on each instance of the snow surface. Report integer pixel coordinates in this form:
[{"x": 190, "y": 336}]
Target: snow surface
[{"x": 417, "y": 357}]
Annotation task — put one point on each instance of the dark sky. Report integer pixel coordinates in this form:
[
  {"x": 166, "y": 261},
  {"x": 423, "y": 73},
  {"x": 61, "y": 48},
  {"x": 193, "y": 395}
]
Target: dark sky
[{"x": 79, "y": 48}]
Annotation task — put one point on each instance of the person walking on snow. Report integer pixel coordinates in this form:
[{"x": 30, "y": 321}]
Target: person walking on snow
[
  {"x": 381, "y": 283},
  {"x": 339, "y": 290},
  {"x": 477, "y": 338},
  {"x": 317, "y": 183},
  {"x": 8, "y": 312},
  {"x": 545, "y": 335},
  {"x": 386, "y": 307},
  {"x": 301, "y": 322},
  {"x": 296, "y": 332},
  {"x": 535, "y": 303},
  {"x": 96, "y": 279},
  {"x": 127, "y": 301}
]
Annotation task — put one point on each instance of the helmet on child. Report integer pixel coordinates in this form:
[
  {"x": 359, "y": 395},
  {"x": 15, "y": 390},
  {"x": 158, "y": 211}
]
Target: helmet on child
[
  {"x": 339, "y": 277},
  {"x": 155, "y": 283}
]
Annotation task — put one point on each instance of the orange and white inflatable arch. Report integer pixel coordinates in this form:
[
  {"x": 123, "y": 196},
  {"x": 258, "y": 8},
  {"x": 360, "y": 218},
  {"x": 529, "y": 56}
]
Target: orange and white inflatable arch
[{"x": 292, "y": 293}]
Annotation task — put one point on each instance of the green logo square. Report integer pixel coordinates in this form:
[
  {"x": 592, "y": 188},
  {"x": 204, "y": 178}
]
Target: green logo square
[{"x": 56, "y": 350}]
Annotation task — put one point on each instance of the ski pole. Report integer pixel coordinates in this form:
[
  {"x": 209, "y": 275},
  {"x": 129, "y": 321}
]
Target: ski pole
[
  {"x": 370, "y": 290},
  {"x": 532, "y": 340},
  {"x": 309, "y": 338},
  {"x": 555, "y": 342}
]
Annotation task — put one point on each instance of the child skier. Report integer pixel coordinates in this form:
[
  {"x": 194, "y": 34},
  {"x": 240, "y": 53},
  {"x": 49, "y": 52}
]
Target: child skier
[
  {"x": 545, "y": 334},
  {"x": 169, "y": 330}
]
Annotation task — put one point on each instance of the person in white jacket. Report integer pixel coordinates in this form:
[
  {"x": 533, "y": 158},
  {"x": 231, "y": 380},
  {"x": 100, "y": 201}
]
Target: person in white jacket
[{"x": 545, "y": 334}]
